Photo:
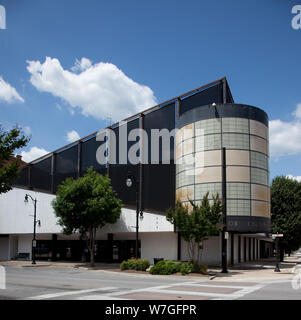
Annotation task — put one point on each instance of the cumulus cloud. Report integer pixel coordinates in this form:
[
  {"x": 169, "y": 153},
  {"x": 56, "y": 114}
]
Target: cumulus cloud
[
  {"x": 33, "y": 153},
  {"x": 297, "y": 112},
  {"x": 99, "y": 90},
  {"x": 8, "y": 93},
  {"x": 81, "y": 65},
  {"x": 72, "y": 136},
  {"x": 285, "y": 138},
  {"x": 298, "y": 178}
]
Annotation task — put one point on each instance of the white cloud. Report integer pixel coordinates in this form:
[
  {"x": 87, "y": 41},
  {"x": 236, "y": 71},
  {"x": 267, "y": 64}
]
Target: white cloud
[
  {"x": 285, "y": 138},
  {"x": 298, "y": 178},
  {"x": 100, "y": 90},
  {"x": 72, "y": 136},
  {"x": 8, "y": 93},
  {"x": 297, "y": 112},
  {"x": 81, "y": 65},
  {"x": 33, "y": 153}
]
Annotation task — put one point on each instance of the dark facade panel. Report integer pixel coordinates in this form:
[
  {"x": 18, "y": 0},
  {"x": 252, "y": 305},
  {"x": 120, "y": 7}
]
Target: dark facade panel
[
  {"x": 208, "y": 96},
  {"x": 40, "y": 175},
  {"x": 229, "y": 95},
  {"x": 159, "y": 187},
  {"x": 23, "y": 178},
  {"x": 248, "y": 224},
  {"x": 118, "y": 175},
  {"x": 66, "y": 165},
  {"x": 130, "y": 125},
  {"x": 163, "y": 118},
  {"x": 88, "y": 155},
  {"x": 223, "y": 111}
]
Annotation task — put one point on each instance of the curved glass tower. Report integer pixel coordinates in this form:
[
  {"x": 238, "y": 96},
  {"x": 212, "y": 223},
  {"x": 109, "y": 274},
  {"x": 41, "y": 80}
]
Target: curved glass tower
[{"x": 243, "y": 131}]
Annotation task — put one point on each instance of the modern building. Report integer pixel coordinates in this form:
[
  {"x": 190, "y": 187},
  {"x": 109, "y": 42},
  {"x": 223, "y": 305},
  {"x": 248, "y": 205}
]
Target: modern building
[{"x": 207, "y": 120}]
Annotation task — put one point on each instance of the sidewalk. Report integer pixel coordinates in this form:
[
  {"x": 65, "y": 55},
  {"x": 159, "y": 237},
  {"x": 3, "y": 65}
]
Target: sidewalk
[
  {"x": 252, "y": 271},
  {"x": 61, "y": 264},
  {"x": 259, "y": 270}
]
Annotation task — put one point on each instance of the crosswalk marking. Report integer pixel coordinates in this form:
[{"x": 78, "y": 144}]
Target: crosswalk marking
[
  {"x": 68, "y": 293},
  {"x": 182, "y": 289}
]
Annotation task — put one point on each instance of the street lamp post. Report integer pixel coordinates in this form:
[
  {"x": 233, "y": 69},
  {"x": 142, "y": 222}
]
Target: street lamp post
[
  {"x": 129, "y": 183},
  {"x": 277, "y": 269},
  {"x": 276, "y": 237},
  {"x": 33, "y": 245}
]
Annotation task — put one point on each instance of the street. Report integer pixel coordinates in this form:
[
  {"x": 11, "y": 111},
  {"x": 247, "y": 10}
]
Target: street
[{"x": 58, "y": 283}]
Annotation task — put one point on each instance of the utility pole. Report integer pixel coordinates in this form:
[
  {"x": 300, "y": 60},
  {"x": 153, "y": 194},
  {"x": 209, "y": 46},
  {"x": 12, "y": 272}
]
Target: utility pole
[{"x": 224, "y": 200}]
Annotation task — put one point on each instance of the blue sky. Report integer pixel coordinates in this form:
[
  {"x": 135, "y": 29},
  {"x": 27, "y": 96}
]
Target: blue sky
[{"x": 164, "y": 48}]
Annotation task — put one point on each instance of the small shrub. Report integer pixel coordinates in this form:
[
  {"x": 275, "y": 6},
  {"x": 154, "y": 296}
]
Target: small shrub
[
  {"x": 166, "y": 267},
  {"x": 131, "y": 264},
  {"x": 186, "y": 268},
  {"x": 135, "y": 264},
  {"x": 193, "y": 267},
  {"x": 124, "y": 265},
  {"x": 142, "y": 264},
  {"x": 203, "y": 269}
]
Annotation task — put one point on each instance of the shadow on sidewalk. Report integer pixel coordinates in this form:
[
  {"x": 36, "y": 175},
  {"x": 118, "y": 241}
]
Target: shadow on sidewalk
[{"x": 286, "y": 267}]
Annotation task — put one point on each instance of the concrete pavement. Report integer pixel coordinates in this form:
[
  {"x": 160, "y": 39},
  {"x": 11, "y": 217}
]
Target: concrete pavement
[
  {"x": 73, "y": 281},
  {"x": 252, "y": 270},
  {"x": 56, "y": 283}
]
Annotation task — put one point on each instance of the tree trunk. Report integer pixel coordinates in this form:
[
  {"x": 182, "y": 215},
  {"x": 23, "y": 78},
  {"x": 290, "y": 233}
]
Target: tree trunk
[
  {"x": 191, "y": 250},
  {"x": 92, "y": 234},
  {"x": 92, "y": 257}
]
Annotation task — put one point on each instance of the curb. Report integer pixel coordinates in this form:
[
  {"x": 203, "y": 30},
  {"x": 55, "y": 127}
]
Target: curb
[
  {"x": 38, "y": 266},
  {"x": 153, "y": 276}
]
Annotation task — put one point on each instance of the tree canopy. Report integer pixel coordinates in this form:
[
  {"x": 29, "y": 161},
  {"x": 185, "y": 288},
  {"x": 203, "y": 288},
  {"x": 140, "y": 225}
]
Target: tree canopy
[
  {"x": 9, "y": 165},
  {"x": 198, "y": 224},
  {"x": 286, "y": 211},
  {"x": 85, "y": 205}
]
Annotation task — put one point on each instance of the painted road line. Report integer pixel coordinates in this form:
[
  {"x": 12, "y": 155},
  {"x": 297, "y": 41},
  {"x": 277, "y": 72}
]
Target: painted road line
[
  {"x": 145, "y": 295},
  {"x": 189, "y": 293},
  {"x": 217, "y": 286},
  {"x": 68, "y": 293},
  {"x": 100, "y": 297},
  {"x": 241, "y": 293},
  {"x": 166, "y": 289},
  {"x": 191, "y": 288},
  {"x": 116, "y": 293}
]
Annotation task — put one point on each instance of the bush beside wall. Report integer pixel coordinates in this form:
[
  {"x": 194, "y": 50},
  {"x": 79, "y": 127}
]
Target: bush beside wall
[{"x": 135, "y": 264}]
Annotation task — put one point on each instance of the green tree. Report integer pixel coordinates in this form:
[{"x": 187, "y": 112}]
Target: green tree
[
  {"x": 85, "y": 205},
  {"x": 197, "y": 225},
  {"x": 286, "y": 212},
  {"x": 9, "y": 165}
]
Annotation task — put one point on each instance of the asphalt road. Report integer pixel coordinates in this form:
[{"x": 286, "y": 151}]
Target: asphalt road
[{"x": 54, "y": 283}]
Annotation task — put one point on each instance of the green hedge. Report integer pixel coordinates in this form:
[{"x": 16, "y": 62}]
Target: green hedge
[
  {"x": 135, "y": 264},
  {"x": 166, "y": 267}
]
